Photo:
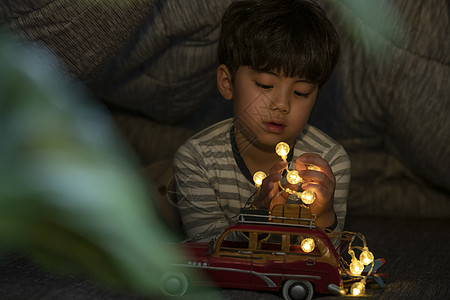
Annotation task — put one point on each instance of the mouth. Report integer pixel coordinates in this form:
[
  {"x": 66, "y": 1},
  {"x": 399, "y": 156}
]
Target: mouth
[{"x": 274, "y": 126}]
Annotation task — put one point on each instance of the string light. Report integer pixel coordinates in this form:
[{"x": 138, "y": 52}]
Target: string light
[
  {"x": 308, "y": 197},
  {"x": 366, "y": 256},
  {"x": 289, "y": 191},
  {"x": 282, "y": 149},
  {"x": 293, "y": 178},
  {"x": 356, "y": 267},
  {"x": 307, "y": 245},
  {"x": 358, "y": 288},
  {"x": 258, "y": 178}
]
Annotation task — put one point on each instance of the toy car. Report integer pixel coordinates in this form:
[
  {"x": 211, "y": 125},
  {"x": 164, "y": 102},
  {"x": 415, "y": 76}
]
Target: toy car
[{"x": 264, "y": 252}]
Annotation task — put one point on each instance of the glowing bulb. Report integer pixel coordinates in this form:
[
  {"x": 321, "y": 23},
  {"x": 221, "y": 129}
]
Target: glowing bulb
[
  {"x": 307, "y": 245},
  {"x": 293, "y": 177},
  {"x": 366, "y": 256},
  {"x": 282, "y": 149},
  {"x": 358, "y": 288},
  {"x": 258, "y": 178},
  {"x": 356, "y": 267},
  {"x": 308, "y": 197}
]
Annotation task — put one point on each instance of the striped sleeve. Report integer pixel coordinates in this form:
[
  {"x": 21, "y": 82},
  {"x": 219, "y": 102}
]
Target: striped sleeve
[
  {"x": 340, "y": 165},
  {"x": 200, "y": 211}
]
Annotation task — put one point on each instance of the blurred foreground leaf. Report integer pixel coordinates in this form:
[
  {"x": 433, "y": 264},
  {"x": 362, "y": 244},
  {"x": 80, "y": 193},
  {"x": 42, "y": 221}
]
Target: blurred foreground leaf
[{"x": 69, "y": 191}]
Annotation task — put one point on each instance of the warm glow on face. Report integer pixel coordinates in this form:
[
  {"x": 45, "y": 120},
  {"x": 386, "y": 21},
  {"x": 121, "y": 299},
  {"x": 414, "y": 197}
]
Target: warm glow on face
[
  {"x": 258, "y": 178},
  {"x": 307, "y": 245},
  {"x": 282, "y": 149},
  {"x": 308, "y": 197}
]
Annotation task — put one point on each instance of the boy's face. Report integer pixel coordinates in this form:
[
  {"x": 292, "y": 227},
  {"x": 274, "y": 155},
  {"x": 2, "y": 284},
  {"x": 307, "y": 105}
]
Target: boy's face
[{"x": 270, "y": 107}]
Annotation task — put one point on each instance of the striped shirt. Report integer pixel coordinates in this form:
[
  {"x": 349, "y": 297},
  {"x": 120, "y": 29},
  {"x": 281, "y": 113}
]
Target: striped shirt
[{"x": 211, "y": 188}]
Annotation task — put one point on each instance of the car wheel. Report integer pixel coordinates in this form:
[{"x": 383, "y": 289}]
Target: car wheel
[
  {"x": 174, "y": 284},
  {"x": 297, "y": 290}
]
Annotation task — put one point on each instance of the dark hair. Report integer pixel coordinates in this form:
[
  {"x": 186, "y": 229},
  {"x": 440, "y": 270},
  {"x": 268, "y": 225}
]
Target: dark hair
[{"x": 290, "y": 36}]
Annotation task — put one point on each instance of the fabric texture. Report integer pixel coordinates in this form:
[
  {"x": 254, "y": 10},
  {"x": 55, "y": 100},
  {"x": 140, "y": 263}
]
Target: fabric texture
[
  {"x": 211, "y": 188},
  {"x": 167, "y": 70},
  {"x": 84, "y": 34},
  {"x": 388, "y": 104},
  {"x": 154, "y": 58}
]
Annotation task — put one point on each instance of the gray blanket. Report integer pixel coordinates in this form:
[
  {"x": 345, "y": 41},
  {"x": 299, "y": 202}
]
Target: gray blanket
[{"x": 154, "y": 61}]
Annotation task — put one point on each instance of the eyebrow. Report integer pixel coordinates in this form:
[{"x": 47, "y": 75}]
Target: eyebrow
[{"x": 278, "y": 75}]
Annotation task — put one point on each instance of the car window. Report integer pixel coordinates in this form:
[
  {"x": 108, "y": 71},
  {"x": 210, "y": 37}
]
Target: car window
[
  {"x": 269, "y": 242},
  {"x": 236, "y": 240}
]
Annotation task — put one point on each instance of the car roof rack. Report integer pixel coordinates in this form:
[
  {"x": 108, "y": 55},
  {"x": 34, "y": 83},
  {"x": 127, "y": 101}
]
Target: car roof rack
[{"x": 290, "y": 215}]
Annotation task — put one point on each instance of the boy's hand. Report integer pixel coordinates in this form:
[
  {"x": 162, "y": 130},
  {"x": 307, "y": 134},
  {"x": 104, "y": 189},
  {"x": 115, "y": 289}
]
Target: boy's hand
[
  {"x": 269, "y": 187},
  {"x": 322, "y": 182}
]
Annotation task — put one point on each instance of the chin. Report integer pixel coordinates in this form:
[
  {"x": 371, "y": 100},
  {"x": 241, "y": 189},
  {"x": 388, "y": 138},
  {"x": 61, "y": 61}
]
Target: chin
[{"x": 268, "y": 143}]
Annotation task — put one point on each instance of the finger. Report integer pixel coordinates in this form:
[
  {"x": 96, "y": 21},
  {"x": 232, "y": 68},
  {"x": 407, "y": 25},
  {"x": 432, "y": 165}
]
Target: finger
[
  {"x": 268, "y": 184},
  {"x": 265, "y": 201},
  {"x": 299, "y": 165},
  {"x": 313, "y": 159},
  {"x": 324, "y": 195},
  {"x": 266, "y": 187},
  {"x": 314, "y": 162},
  {"x": 317, "y": 177},
  {"x": 268, "y": 190},
  {"x": 292, "y": 187},
  {"x": 318, "y": 188}
]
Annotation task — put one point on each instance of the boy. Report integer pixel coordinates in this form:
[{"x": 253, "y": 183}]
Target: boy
[{"x": 274, "y": 55}]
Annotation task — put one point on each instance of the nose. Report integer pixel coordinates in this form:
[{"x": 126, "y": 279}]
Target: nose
[{"x": 280, "y": 101}]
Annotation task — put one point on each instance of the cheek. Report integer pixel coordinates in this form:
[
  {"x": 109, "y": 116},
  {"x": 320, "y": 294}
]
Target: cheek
[
  {"x": 304, "y": 107},
  {"x": 252, "y": 104},
  {"x": 302, "y": 113}
]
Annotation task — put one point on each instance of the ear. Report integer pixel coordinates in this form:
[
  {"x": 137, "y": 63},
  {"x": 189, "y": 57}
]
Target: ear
[{"x": 224, "y": 82}]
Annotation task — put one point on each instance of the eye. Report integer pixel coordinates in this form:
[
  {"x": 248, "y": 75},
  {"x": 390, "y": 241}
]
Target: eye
[
  {"x": 263, "y": 86},
  {"x": 303, "y": 95}
]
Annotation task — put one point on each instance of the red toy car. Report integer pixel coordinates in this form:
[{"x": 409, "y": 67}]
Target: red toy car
[{"x": 273, "y": 253}]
